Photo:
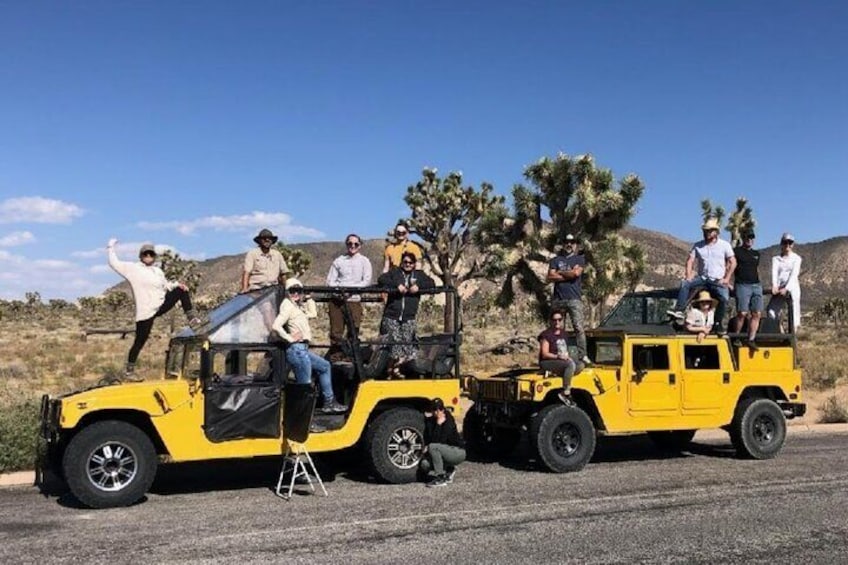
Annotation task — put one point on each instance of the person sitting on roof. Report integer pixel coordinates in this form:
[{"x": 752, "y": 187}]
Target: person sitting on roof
[
  {"x": 700, "y": 315},
  {"x": 292, "y": 324}
]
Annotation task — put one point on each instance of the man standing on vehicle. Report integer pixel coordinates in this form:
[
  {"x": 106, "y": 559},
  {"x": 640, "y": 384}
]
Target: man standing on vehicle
[
  {"x": 749, "y": 291},
  {"x": 263, "y": 266},
  {"x": 349, "y": 270},
  {"x": 710, "y": 265},
  {"x": 566, "y": 272}
]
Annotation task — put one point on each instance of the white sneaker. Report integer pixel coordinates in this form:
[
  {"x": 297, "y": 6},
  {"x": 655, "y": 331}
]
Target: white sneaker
[
  {"x": 676, "y": 314},
  {"x": 586, "y": 361}
]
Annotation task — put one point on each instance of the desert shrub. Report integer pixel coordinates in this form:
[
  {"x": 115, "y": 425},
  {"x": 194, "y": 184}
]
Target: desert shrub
[
  {"x": 18, "y": 433},
  {"x": 832, "y": 411},
  {"x": 14, "y": 369}
]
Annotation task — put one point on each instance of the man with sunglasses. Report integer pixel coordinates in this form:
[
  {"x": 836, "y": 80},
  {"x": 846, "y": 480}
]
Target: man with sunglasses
[
  {"x": 154, "y": 296},
  {"x": 263, "y": 266},
  {"x": 566, "y": 272},
  {"x": 394, "y": 251},
  {"x": 349, "y": 270}
]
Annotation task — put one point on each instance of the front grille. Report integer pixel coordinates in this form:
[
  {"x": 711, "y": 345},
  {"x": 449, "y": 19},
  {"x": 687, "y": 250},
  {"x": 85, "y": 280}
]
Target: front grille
[{"x": 495, "y": 390}]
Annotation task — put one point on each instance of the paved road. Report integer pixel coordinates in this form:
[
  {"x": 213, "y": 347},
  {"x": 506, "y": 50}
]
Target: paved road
[{"x": 630, "y": 505}]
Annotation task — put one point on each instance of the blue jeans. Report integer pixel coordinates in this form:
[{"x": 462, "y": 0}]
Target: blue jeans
[
  {"x": 304, "y": 362},
  {"x": 713, "y": 285}
]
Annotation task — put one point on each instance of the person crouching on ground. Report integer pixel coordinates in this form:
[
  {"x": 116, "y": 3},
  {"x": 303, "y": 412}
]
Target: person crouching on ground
[
  {"x": 443, "y": 446},
  {"x": 701, "y": 315},
  {"x": 292, "y": 324},
  {"x": 154, "y": 296},
  {"x": 553, "y": 351}
]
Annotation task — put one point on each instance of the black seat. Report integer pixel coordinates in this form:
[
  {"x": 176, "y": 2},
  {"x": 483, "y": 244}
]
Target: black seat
[{"x": 435, "y": 358}]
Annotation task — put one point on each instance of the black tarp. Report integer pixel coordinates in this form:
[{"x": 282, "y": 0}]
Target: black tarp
[{"x": 238, "y": 411}]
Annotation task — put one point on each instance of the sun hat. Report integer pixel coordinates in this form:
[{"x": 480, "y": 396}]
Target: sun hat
[
  {"x": 265, "y": 233},
  {"x": 704, "y": 296},
  {"x": 147, "y": 248},
  {"x": 787, "y": 237},
  {"x": 291, "y": 283},
  {"x": 711, "y": 224},
  {"x": 570, "y": 238},
  {"x": 748, "y": 234}
]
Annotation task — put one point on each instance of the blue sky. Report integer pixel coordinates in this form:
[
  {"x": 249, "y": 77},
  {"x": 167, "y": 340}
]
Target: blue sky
[{"x": 194, "y": 124}]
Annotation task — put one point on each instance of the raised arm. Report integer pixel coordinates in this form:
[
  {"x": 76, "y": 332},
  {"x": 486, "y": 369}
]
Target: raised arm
[{"x": 120, "y": 267}]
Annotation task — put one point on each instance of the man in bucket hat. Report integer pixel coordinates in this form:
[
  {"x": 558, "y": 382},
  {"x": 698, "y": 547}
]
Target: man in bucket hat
[
  {"x": 710, "y": 265},
  {"x": 154, "y": 296},
  {"x": 263, "y": 266}
]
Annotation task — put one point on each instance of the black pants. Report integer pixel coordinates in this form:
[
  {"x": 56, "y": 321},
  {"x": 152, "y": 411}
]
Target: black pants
[{"x": 143, "y": 327}]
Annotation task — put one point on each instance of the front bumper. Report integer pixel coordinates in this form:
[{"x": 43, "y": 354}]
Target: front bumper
[
  {"x": 49, "y": 418},
  {"x": 793, "y": 409}
]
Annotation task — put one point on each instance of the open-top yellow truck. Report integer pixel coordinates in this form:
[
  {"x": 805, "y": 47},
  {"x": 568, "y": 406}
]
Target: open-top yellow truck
[
  {"x": 221, "y": 396},
  {"x": 647, "y": 376}
]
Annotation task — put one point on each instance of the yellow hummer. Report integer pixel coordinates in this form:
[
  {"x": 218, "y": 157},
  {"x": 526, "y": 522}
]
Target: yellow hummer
[
  {"x": 222, "y": 393},
  {"x": 646, "y": 376}
]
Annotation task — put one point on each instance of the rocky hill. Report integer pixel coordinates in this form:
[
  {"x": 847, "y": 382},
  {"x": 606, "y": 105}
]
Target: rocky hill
[{"x": 824, "y": 271}]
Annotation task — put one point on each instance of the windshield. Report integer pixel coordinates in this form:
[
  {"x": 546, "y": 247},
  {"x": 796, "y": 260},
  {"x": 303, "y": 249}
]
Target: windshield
[{"x": 640, "y": 310}]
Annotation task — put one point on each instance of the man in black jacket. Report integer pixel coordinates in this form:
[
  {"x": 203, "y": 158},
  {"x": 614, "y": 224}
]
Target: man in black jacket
[
  {"x": 443, "y": 446},
  {"x": 398, "y": 324}
]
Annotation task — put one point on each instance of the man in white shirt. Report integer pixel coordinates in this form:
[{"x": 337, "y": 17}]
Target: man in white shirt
[
  {"x": 710, "y": 265},
  {"x": 349, "y": 270},
  {"x": 154, "y": 296}
]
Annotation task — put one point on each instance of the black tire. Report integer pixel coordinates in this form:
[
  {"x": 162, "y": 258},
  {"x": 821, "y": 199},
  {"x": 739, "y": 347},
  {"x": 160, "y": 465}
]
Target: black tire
[
  {"x": 673, "y": 441},
  {"x": 758, "y": 430},
  {"x": 563, "y": 437},
  {"x": 485, "y": 442},
  {"x": 109, "y": 464},
  {"x": 393, "y": 442}
]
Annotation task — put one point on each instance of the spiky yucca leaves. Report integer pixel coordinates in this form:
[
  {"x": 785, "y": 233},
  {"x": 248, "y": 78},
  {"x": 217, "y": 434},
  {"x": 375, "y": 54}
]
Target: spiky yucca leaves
[
  {"x": 297, "y": 260},
  {"x": 740, "y": 221},
  {"x": 450, "y": 219},
  {"x": 582, "y": 199},
  {"x": 178, "y": 269},
  {"x": 709, "y": 211}
]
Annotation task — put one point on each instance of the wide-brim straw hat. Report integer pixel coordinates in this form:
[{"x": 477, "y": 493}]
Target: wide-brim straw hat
[{"x": 704, "y": 296}]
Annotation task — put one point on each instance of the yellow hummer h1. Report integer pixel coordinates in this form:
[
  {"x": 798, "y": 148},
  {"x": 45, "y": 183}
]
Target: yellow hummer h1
[
  {"x": 222, "y": 394},
  {"x": 646, "y": 376}
]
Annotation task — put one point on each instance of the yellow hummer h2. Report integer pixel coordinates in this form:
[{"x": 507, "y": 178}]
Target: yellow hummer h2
[
  {"x": 649, "y": 377},
  {"x": 222, "y": 395}
]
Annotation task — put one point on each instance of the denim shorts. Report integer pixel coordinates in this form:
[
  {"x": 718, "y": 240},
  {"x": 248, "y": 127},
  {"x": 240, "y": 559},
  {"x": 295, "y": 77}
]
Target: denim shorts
[{"x": 749, "y": 297}]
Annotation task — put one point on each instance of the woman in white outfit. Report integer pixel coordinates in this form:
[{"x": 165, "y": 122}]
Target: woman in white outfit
[{"x": 785, "y": 269}]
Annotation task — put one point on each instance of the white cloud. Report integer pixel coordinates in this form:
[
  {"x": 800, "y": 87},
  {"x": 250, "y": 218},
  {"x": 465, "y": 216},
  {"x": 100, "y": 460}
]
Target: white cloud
[
  {"x": 52, "y": 278},
  {"x": 16, "y": 238},
  {"x": 278, "y": 222},
  {"x": 35, "y": 209}
]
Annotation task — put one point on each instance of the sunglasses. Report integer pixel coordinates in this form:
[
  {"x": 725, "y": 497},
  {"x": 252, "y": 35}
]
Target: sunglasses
[
  {"x": 401, "y": 232},
  {"x": 296, "y": 290},
  {"x": 149, "y": 254},
  {"x": 556, "y": 319},
  {"x": 353, "y": 244},
  {"x": 407, "y": 262}
]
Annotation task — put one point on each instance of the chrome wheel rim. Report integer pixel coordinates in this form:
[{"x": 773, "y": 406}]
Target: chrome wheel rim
[
  {"x": 404, "y": 448},
  {"x": 111, "y": 466}
]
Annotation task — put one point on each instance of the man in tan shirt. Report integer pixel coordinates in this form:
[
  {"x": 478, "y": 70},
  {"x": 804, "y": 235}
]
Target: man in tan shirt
[{"x": 263, "y": 266}]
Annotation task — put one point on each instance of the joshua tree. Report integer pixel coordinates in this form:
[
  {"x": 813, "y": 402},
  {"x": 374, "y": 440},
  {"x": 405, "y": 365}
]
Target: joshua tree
[
  {"x": 739, "y": 221},
  {"x": 449, "y": 217},
  {"x": 579, "y": 198},
  {"x": 297, "y": 260}
]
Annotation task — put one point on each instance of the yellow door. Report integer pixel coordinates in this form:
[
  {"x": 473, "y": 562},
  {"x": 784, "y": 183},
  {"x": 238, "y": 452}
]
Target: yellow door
[
  {"x": 705, "y": 384},
  {"x": 653, "y": 385}
]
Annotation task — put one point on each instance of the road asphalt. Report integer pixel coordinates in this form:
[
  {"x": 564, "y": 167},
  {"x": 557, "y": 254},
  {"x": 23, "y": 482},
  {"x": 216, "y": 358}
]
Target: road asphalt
[{"x": 632, "y": 504}]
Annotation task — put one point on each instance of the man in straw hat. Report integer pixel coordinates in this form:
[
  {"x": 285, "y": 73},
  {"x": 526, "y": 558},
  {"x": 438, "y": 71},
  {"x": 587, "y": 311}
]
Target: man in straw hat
[
  {"x": 710, "y": 265},
  {"x": 263, "y": 266},
  {"x": 700, "y": 315}
]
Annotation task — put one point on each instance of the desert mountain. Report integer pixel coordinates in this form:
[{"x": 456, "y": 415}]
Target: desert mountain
[{"x": 824, "y": 272}]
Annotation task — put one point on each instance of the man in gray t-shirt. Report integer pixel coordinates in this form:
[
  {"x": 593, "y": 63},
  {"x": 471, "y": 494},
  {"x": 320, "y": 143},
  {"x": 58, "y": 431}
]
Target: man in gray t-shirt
[{"x": 710, "y": 265}]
